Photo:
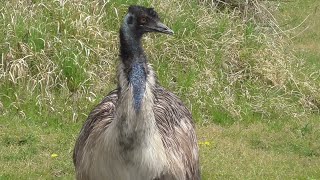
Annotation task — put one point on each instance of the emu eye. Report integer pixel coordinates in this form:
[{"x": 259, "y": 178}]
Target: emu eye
[{"x": 143, "y": 20}]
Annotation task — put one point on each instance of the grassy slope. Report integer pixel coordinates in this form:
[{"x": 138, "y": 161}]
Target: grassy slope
[
  {"x": 302, "y": 17},
  {"x": 67, "y": 56}
]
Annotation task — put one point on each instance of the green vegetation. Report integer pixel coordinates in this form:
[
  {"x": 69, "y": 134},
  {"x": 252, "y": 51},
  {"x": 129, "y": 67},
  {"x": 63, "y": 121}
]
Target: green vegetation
[{"x": 252, "y": 85}]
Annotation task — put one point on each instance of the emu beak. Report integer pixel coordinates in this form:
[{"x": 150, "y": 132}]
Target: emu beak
[{"x": 162, "y": 28}]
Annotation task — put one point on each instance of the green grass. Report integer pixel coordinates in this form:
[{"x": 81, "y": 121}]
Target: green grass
[
  {"x": 27, "y": 146},
  {"x": 258, "y": 152},
  {"x": 254, "y": 92},
  {"x": 301, "y": 18}
]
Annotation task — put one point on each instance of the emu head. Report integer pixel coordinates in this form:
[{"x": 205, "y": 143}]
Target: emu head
[{"x": 141, "y": 20}]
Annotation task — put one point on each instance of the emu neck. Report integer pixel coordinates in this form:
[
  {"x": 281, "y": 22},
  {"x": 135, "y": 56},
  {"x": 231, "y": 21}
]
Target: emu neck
[
  {"x": 135, "y": 63},
  {"x": 130, "y": 46},
  {"x": 135, "y": 118},
  {"x": 136, "y": 80}
]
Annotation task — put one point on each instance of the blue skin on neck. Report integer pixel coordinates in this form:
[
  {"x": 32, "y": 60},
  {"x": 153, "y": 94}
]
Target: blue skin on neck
[
  {"x": 137, "y": 78},
  {"x": 131, "y": 52}
]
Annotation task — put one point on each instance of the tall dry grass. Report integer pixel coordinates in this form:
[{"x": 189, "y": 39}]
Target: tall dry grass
[{"x": 226, "y": 63}]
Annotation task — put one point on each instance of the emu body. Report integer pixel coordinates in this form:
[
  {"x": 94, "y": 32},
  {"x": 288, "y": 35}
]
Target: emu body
[{"x": 139, "y": 131}]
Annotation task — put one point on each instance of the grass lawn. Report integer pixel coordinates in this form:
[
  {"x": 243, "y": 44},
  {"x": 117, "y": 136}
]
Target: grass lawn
[{"x": 254, "y": 95}]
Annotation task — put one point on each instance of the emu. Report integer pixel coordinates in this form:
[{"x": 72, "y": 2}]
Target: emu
[{"x": 140, "y": 131}]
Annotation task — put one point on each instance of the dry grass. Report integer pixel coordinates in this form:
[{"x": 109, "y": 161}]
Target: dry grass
[{"x": 70, "y": 47}]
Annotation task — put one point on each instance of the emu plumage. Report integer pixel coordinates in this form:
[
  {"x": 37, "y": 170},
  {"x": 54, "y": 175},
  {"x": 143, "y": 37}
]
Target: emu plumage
[{"x": 140, "y": 131}]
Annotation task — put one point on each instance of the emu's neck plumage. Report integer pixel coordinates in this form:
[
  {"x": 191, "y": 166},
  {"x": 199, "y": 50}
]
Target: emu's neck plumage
[
  {"x": 130, "y": 46},
  {"x": 134, "y": 63},
  {"x": 135, "y": 117}
]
